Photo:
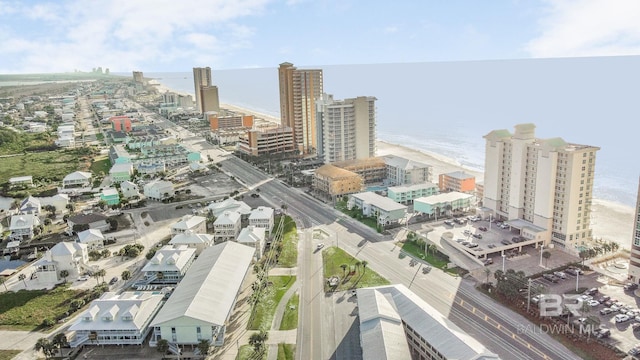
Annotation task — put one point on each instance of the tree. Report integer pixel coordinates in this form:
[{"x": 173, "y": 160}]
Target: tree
[
  {"x": 126, "y": 275},
  {"x": 614, "y": 246},
  {"x": 257, "y": 340},
  {"x": 358, "y": 263},
  {"x": 76, "y": 304},
  {"x": 44, "y": 345},
  {"x": 364, "y": 266},
  {"x": 102, "y": 273},
  {"x": 60, "y": 340},
  {"x": 23, "y": 277},
  {"x": 344, "y": 270},
  {"x": 64, "y": 274},
  {"x": 203, "y": 346},
  {"x": 96, "y": 275},
  {"x": 546, "y": 255},
  {"x": 162, "y": 345},
  {"x": 583, "y": 254}
]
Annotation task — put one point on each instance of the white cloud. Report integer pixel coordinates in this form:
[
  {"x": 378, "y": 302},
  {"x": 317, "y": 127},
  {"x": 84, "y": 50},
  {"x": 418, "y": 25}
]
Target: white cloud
[
  {"x": 588, "y": 28},
  {"x": 124, "y": 34}
]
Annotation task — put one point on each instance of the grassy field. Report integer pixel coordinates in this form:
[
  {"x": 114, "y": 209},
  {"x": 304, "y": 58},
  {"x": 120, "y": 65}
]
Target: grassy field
[
  {"x": 357, "y": 214},
  {"x": 8, "y": 354},
  {"x": 100, "y": 167},
  {"x": 286, "y": 351},
  {"x": 289, "y": 255},
  {"x": 246, "y": 353},
  {"x": 49, "y": 166},
  {"x": 436, "y": 259},
  {"x": 25, "y": 309},
  {"x": 290, "y": 316},
  {"x": 270, "y": 297},
  {"x": 353, "y": 276}
]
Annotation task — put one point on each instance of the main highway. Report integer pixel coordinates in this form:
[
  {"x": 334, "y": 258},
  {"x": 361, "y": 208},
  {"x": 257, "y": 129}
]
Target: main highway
[{"x": 495, "y": 326}]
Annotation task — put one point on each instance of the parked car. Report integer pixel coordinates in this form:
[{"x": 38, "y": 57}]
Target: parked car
[
  {"x": 482, "y": 228},
  {"x": 604, "y": 299},
  {"x": 591, "y": 291},
  {"x": 536, "y": 298},
  {"x": 488, "y": 261},
  {"x": 113, "y": 280},
  {"x": 448, "y": 222},
  {"x": 560, "y": 274},
  {"x": 477, "y": 236},
  {"x": 472, "y": 245},
  {"x": 602, "y": 332},
  {"x": 467, "y": 232},
  {"x": 620, "y": 318},
  {"x": 459, "y": 221},
  {"x": 503, "y": 226},
  {"x": 319, "y": 246},
  {"x": 491, "y": 246},
  {"x": 606, "y": 311},
  {"x": 593, "y": 303},
  {"x": 426, "y": 269},
  {"x": 83, "y": 278},
  {"x": 630, "y": 286},
  {"x": 550, "y": 277},
  {"x": 505, "y": 242}
]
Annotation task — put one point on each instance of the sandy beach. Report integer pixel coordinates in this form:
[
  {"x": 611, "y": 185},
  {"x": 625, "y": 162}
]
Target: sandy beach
[{"x": 610, "y": 221}]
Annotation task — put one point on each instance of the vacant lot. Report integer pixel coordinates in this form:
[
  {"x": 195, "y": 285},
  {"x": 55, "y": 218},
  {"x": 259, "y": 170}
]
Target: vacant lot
[
  {"x": 25, "y": 309},
  {"x": 352, "y": 272},
  {"x": 47, "y": 166}
]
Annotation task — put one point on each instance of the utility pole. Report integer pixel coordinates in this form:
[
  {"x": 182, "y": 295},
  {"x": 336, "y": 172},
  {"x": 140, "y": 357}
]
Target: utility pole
[
  {"x": 577, "y": 277},
  {"x": 528, "y": 294}
]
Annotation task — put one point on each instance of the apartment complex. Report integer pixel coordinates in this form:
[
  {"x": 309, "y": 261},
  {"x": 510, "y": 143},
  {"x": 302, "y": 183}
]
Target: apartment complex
[
  {"x": 457, "y": 181},
  {"x": 217, "y": 122},
  {"x": 372, "y": 170},
  {"x": 201, "y": 77},
  {"x": 401, "y": 171},
  {"x": 334, "y": 182},
  {"x": 138, "y": 77},
  {"x": 545, "y": 183},
  {"x": 258, "y": 142},
  {"x": 634, "y": 263},
  {"x": 299, "y": 89},
  {"x": 210, "y": 98},
  {"x": 346, "y": 128}
]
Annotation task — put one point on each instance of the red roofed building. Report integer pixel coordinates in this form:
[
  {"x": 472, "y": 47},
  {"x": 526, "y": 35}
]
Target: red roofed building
[{"x": 120, "y": 123}]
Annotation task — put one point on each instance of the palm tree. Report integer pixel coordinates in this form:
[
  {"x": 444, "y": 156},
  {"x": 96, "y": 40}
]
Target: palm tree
[
  {"x": 614, "y": 246},
  {"x": 96, "y": 275},
  {"x": 64, "y": 274},
  {"x": 45, "y": 345},
  {"x": 584, "y": 254},
  {"x": 102, "y": 273},
  {"x": 546, "y": 255},
  {"x": 257, "y": 340},
  {"x": 23, "y": 277},
  {"x": 344, "y": 270},
  {"x": 358, "y": 263},
  {"x": 126, "y": 275},
  {"x": 364, "y": 266},
  {"x": 60, "y": 340},
  {"x": 203, "y": 346}
]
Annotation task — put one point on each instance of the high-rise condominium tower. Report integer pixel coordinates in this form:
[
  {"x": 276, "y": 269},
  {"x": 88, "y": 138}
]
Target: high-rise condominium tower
[
  {"x": 543, "y": 187},
  {"x": 201, "y": 77},
  {"x": 346, "y": 128},
  {"x": 299, "y": 89},
  {"x": 634, "y": 263}
]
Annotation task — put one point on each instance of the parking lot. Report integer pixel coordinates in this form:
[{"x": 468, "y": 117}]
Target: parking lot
[{"x": 622, "y": 335}]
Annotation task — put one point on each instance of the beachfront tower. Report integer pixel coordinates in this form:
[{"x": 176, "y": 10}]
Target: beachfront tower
[
  {"x": 542, "y": 187},
  {"x": 346, "y": 128},
  {"x": 634, "y": 263},
  {"x": 201, "y": 78},
  {"x": 299, "y": 89}
]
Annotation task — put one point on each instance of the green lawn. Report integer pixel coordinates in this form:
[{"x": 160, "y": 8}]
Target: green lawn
[
  {"x": 286, "y": 351},
  {"x": 49, "y": 166},
  {"x": 8, "y": 354},
  {"x": 99, "y": 136},
  {"x": 357, "y": 214},
  {"x": 353, "y": 276},
  {"x": 25, "y": 309},
  {"x": 290, "y": 316},
  {"x": 289, "y": 254},
  {"x": 436, "y": 260},
  {"x": 246, "y": 353},
  {"x": 269, "y": 298},
  {"x": 100, "y": 167}
]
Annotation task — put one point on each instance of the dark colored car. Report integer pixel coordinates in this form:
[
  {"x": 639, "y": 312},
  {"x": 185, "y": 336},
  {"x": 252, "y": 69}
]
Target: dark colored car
[
  {"x": 631, "y": 286},
  {"x": 113, "y": 280},
  {"x": 477, "y": 236},
  {"x": 482, "y": 228}
]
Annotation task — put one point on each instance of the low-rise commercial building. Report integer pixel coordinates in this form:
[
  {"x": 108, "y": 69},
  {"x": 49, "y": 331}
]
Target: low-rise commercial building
[
  {"x": 442, "y": 204},
  {"x": 372, "y": 170},
  {"x": 265, "y": 141},
  {"x": 459, "y": 181},
  {"x": 334, "y": 183}
]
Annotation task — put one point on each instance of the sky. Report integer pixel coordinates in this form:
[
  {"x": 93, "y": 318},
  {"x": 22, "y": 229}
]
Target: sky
[{"x": 157, "y": 35}]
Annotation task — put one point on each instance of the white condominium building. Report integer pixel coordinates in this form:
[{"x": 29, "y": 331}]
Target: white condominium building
[
  {"x": 346, "y": 128},
  {"x": 634, "y": 263},
  {"x": 545, "y": 184}
]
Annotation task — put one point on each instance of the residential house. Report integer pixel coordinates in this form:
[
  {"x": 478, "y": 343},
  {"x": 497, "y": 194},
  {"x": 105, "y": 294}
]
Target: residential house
[
  {"x": 70, "y": 256},
  {"x": 192, "y": 240},
  {"x": 88, "y": 221},
  {"x": 383, "y": 209},
  {"x": 169, "y": 264},
  {"x": 22, "y": 226},
  {"x": 193, "y": 223},
  {"x": 121, "y": 172},
  {"x": 201, "y": 304},
  {"x": 116, "y": 319},
  {"x": 21, "y": 182},
  {"x": 119, "y": 155},
  {"x": 31, "y": 205},
  {"x": 227, "y": 227},
  {"x": 254, "y": 237},
  {"x": 92, "y": 238},
  {"x": 129, "y": 189},
  {"x": 110, "y": 196},
  {"x": 78, "y": 179},
  {"x": 159, "y": 190},
  {"x": 218, "y": 208},
  {"x": 262, "y": 217}
]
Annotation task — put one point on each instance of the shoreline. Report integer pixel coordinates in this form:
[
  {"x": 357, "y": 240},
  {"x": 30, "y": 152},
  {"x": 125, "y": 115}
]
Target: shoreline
[{"x": 610, "y": 220}]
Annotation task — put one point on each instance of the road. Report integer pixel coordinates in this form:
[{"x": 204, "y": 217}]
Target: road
[{"x": 492, "y": 324}]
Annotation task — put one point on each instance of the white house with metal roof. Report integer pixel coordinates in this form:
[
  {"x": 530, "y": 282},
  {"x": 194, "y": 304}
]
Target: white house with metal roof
[
  {"x": 31, "y": 205},
  {"x": 254, "y": 237},
  {"x": 385, "y": 210},
  {"x": 397, "y": 324},
  {"x": 93, "y": 238},
  {"x": 201, "y": 304},
  {"x": 262, "y": 217},
  {"x": 22, "y": 226},
  {"x": 193, "y": 223},
  {"x": 192, "y": 240},
  {"x": 116, "y": 319},
  {"x": 227, "y": 227},
  {"x": 230, "y": 204},
  {"x": 77, "y": 179},
  {"x": 158, "y": 190},
  {"x": 169, "y": 264},
  {"x": 70, "y": 256}
]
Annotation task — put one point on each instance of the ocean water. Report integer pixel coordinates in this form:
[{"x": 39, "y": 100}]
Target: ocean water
[{"x": 446, "y": 108}]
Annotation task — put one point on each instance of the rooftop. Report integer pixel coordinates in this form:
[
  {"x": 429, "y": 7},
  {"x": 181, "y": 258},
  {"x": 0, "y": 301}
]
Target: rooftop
[
  {"x": 443, "y": 198},
  {"x": 334, "y": 172},
  {"x": 402, "y": 163},
  {"x": 170, "y": 258},
  {"x": 77, "y": 175},
  {"x": 414, "y": 187},
  {"x": 261, "y": 212},
  {"x": 188, "y": 222},
  {"x": 461, "y": 175}
]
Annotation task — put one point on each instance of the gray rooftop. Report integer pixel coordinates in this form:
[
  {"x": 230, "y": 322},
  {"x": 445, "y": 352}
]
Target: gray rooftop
[
  {"x": 208, "y": 291},
  {"x": 402, "y": 163},
  {"x": 381, "y": 202}
]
